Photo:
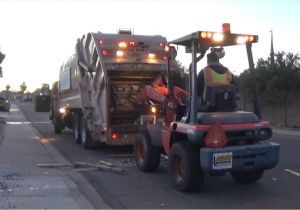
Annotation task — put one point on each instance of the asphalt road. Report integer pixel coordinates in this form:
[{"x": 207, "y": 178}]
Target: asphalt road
[{"x": 134, "y": 189}]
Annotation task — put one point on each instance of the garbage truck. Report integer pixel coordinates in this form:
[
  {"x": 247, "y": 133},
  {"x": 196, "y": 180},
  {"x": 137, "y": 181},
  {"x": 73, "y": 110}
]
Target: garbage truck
[{"x": 97, "y": 92}]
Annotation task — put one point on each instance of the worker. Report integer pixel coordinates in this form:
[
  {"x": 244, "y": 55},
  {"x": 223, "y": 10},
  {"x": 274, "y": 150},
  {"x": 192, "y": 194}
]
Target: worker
[
  {"x": 214, "y": 74},
  {"x": 159, "y": 84}
]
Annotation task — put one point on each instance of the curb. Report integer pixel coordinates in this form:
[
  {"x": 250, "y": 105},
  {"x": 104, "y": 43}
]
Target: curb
[
  {"x": 286, "y": 132},
  {"x": 74, "y": 180},
  {"x": 2, "y": 131}
]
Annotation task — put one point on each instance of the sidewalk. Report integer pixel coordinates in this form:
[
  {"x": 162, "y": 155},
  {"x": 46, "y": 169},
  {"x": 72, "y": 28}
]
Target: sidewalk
[
  {"x": 286, "y": 131},
  {"x": 22, "y": 184}
]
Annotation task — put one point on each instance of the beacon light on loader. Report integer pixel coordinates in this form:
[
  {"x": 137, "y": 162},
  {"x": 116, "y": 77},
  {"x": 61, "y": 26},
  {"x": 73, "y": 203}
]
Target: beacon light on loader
[
  {"x": 244, "y": 39},
  {"x": 218, "y": 37}
]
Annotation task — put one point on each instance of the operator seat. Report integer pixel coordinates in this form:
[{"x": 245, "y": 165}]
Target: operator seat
[{"x": 220, "y": 98}]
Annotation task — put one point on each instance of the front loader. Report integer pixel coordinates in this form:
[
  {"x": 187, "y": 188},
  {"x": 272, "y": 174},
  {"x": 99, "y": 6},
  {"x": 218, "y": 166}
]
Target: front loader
[{"x": 213, "y": 137}]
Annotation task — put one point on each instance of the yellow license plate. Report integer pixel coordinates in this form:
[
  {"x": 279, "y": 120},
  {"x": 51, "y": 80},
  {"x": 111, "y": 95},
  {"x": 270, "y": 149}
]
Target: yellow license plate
[{"x": 222, "y": 160}]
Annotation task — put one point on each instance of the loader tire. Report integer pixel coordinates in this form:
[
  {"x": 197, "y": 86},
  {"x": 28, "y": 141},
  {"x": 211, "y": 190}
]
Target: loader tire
[
  {"x": 184, "y": 167},
  {"x": 147, "y": 156},
  {"x": 247, "y": 177}
]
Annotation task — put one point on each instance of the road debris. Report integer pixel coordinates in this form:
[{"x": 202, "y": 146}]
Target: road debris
[
  {"x": 85, "y": 169},
  {"x": 101, "y": 167},
  {"x": 53, "y": 165},
  {"x": 292, "y": 172},
  {"x": 122, "y": 155},
  {"x": 106, "y": 163},
  {"x": 106, "y": 166}
]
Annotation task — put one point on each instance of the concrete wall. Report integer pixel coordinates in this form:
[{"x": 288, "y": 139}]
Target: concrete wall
[{"x": 276, "y": 114}]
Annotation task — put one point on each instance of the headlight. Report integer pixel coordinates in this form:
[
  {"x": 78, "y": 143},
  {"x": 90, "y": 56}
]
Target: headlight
[
  {"x": 264, "y": 133},
  {"x": 62, "y": 110}
]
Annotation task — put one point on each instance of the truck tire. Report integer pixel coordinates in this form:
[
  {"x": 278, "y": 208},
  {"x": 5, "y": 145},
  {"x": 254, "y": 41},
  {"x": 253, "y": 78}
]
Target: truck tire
[
  {"x": 77, "y": 128},
  {"x": 247, "y": 177},
  {"x": 86, "y": 138},
  {"x": 42, "y": 103},
  {"x": 147, "y": 156},
  {"x": 184, "y": 166},
  {"x": 57, "y": 124}
]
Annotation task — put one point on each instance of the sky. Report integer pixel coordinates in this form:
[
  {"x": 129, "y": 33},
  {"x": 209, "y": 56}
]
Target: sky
[{"x": 37, "y": 36}]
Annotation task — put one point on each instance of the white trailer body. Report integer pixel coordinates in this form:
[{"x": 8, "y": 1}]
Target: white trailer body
[{"x": 98, "y": 86}]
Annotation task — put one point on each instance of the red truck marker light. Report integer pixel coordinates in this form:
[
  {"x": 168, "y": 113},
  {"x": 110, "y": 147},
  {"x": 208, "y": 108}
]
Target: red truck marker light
[
  {"x": 104, "y": 52},
  {"x": 114, "y": 136}
]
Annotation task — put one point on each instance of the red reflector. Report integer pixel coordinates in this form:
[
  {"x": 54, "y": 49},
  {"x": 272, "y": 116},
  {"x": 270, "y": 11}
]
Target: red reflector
[
  {"x": 104, "y": 52},
  {"x": 114, "y": 136},
  {"x": 216, "y": 136}
]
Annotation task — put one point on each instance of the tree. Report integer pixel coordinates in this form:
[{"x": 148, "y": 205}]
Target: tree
[
  {"x": 23, "y": 87},
  {"x": 277, "y": 82},
  {"x": 7, "y": 87},
  {"x": 45, "y": 89}
]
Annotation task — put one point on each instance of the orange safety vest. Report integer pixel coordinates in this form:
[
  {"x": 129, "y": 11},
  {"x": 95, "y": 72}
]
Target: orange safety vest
[{"x": 212, "y": 78}]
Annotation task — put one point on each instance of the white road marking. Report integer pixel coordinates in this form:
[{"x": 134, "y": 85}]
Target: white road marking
[{"x": 292, "y": 172}]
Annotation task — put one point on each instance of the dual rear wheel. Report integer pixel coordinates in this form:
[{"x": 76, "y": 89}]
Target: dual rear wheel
[{"x": 81, "y": 132}]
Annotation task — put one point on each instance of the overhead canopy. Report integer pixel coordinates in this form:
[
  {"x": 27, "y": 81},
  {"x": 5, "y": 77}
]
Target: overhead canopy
[{"x": 214, "y": 39}]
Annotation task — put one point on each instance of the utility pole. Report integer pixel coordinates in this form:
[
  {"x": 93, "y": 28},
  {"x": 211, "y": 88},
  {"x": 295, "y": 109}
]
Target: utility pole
[{"x": 272, "y": 51}]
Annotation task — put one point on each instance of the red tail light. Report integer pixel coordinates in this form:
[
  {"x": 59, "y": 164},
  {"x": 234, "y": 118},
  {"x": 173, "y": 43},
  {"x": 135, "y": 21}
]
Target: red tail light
[
  {"x": 216, "y": 137},
  {"x": 114, "y": 136},
  {"x": 104, "y": 52}
]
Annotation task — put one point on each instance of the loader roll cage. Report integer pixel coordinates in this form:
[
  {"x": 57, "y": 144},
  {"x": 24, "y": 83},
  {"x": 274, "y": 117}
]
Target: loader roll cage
[{"x": 200, "y": 42}]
